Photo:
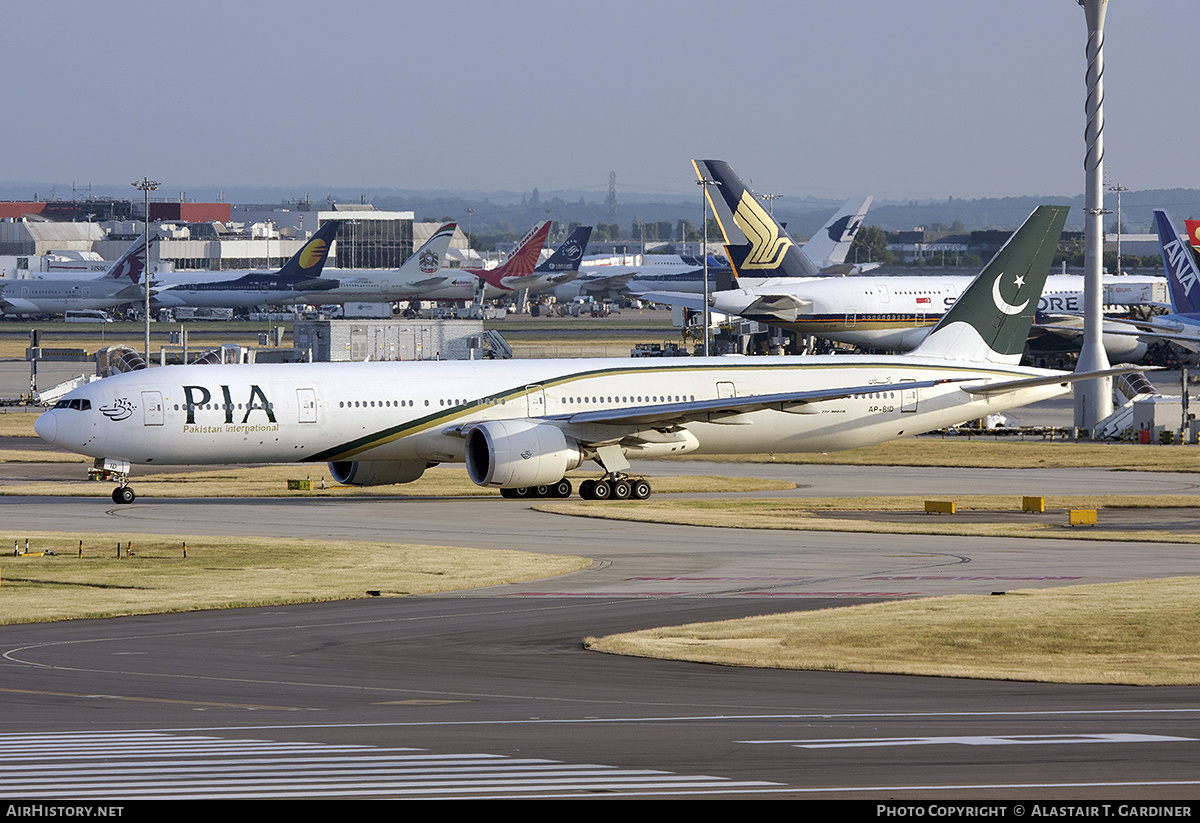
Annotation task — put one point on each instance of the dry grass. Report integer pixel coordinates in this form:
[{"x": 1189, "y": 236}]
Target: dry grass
[
  {"x": 986, "y": 452},
  {"x": 233, "y": 572},
  {"x": 815, "y": 514},
  {"x": 1139, "y": 633},
  {"x": 18, "y": 423}
]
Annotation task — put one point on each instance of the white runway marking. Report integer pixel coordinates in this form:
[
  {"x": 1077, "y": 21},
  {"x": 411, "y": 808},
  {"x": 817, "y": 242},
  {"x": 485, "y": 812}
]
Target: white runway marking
[
  {"x": 975, "y": 740},
  {"x": 151, "y": 765}
]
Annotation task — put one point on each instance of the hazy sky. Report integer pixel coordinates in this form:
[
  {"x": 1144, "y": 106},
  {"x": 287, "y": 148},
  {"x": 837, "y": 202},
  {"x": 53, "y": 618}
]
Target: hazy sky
[{"x": 830, "y": 98}]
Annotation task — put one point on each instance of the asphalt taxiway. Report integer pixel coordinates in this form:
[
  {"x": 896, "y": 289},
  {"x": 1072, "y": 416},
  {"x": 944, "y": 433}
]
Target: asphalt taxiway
[{"x": 491, "y": 692}]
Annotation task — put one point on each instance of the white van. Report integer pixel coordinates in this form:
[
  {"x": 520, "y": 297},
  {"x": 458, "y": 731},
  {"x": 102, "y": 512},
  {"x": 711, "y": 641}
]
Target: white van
[{"x": 87, "y": 316}]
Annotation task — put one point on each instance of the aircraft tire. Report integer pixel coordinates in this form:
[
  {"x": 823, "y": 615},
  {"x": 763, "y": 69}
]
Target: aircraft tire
[
  {"x": 640, "y": 489},
  {"x": 123, "y": 495},
  {"x": 621, "y": 489},
  {"x": 561, "y": 489},
  {"x": 587, "y": 490},
  {"x": 602, "y": 490}
]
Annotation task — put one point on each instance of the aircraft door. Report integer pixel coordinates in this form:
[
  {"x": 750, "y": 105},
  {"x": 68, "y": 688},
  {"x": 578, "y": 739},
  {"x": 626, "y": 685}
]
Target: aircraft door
[
  {"x": 851, "y": 318},
  {"x": 152, "y": 408},
  {"x": 908, "y": 398},
  {"x": 726, "y": 389},
  {"x": 306, "y": 402},
  {"x": 535, "y": 397}
]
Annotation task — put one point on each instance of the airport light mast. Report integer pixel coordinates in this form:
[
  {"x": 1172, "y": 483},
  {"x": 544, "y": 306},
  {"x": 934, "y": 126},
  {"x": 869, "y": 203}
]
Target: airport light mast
[
  {"x": 704, "y": 183},
  {"x": 146, "y": 185},
  {"x": 1093, "y": 398}
]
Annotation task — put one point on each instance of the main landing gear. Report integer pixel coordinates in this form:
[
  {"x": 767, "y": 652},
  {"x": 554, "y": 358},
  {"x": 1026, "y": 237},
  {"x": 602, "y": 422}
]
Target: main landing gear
[
  {"x": 560, "y": 489},
  {"x": 618, "y": 487}
]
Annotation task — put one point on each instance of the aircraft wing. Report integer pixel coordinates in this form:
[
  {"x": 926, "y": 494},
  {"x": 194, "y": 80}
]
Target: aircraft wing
[
  {"x": 136, "y": 292},
  {"x": 1189, "y": 340},
  {"x": 778, "y": 306},
  {"x": 725, "y": 409},
  {"x": 606, "y": 283},
  {"x": 674, "y": 298}
]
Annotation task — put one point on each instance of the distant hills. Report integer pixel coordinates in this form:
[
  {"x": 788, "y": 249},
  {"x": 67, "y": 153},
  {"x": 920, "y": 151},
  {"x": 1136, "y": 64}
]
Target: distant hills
[{"x": 515, "y": 211}]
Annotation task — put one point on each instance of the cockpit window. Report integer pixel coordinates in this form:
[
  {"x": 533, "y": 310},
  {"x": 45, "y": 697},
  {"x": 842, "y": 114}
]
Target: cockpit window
[{"x": 76, "y": 403}]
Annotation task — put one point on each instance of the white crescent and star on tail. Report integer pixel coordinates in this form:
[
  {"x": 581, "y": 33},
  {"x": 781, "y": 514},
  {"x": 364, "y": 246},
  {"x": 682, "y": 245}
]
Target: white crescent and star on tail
[{"x": 1001, "y": 303}]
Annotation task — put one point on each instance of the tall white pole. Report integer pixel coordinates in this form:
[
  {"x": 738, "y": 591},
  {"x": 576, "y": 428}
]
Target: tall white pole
[
  {"x": 704, "y": 183},
  {"x": 1093, "y": 398},
  {"x": 146, "y": 185}
]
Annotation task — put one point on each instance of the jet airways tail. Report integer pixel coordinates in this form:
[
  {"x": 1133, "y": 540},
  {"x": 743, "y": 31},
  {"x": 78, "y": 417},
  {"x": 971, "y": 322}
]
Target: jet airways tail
[
  {"x": 829, "y": 246},
  {"x": 129, "y": 266},
  {"x": 303, "y": 271},
  {"x": 990, "y": 321},
  {"x": 756, "y": 244},
  {"x": 1179, "y": 261},
  {"x": 521, "y": 262}
]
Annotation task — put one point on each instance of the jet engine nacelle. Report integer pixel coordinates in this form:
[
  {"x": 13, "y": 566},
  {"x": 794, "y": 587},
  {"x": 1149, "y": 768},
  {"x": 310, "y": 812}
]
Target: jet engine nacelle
[
  {"x": 514, "y": 454},
  {"x": 376, "y": 472}
]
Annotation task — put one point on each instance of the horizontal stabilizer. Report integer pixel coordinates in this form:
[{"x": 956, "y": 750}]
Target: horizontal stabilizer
[
  {"x": 1053, "y": 380},
  {"x": 780, "y": 306}
]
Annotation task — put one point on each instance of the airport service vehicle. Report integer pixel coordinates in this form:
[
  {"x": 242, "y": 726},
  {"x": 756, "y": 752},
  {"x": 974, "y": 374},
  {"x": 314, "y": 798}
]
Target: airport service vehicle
[
  {"x": 118, "y": 285},
  {"x": 521, "y": 426}
]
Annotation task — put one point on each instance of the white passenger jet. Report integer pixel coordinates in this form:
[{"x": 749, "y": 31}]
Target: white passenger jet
[
  {"x": 1182, "y": 324},
  {"x": 298, "y": 277},
  {"x": 522, "y": 425},
  {"x": 420, "y": 273},
  {"x": 465, "y": 284},
  {"x": 118, "y": 285},
  {"x": 892, "y": 313}
]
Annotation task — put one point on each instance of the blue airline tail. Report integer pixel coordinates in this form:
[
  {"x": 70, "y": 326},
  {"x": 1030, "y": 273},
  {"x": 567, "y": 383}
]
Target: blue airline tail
[
  {"x": 307, "y": 263},
  {"x": 566, "y": 258},
  {"x": 1179, "y": 262}
]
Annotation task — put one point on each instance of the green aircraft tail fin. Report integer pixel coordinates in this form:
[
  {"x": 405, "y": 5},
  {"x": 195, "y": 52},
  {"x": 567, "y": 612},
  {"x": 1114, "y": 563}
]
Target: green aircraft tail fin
[{"x": 990, "y": 321}]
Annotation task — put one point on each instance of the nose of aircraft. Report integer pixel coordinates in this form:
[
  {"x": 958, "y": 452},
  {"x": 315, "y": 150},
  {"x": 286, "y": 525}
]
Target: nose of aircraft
[{"x": 46, "y": 426}]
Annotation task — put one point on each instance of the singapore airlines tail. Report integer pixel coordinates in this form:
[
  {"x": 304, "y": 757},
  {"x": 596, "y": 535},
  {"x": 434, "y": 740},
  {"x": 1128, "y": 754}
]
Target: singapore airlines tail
[{"x": 757, "y": 245}]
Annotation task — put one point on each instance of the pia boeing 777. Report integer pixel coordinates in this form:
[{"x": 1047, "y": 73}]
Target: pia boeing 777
[{"x": 520, "y": 426}]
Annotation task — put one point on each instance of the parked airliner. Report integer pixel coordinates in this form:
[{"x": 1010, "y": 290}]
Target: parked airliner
[
  {"x": 119, "y": 285},
  {"x": 892, "y": 313},
  {"x": 421, "y": 272},
  {"x": 299, "y": 276},
  {"x": 1182, "y": 324},
  {"x": 520, "y": 426},
  {"x": 465, "y": 284}
]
